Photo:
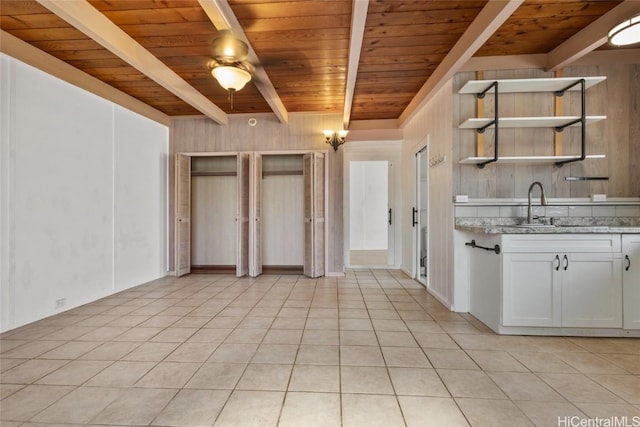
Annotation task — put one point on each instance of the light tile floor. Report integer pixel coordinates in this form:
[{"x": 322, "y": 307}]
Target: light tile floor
[{"x": 371, "y": 349}]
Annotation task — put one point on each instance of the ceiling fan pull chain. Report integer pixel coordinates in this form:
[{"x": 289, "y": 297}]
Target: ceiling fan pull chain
[{"x": 231, "y": 90}]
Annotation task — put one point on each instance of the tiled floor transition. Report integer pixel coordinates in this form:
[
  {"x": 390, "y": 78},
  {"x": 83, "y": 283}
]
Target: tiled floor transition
[{"x": 370, "y": 349}]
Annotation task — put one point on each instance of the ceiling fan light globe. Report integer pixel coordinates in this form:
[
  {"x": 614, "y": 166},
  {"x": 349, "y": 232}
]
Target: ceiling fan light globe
[{"x": 230, "y": 77}]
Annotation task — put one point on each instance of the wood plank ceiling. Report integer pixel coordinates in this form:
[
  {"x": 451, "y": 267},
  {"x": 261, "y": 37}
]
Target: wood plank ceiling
[{"x": 302, "y": 45}]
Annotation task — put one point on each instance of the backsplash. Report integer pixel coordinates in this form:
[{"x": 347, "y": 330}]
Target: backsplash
[{"x": 562, "y": 208}]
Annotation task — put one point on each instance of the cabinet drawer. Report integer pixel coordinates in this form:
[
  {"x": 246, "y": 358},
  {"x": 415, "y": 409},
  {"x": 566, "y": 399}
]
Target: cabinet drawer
[{"x": 558, "y": 243}]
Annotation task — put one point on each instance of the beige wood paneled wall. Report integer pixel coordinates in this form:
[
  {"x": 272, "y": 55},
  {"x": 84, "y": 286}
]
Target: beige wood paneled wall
[
  {"x": 618, "y": 137},
  {"x": 302, "y": 132}
]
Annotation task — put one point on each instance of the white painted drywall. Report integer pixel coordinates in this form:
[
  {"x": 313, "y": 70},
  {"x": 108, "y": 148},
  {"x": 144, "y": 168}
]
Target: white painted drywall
[
  {"x": 84, "y": 213},
  {"x": 140, "y": 199},
  {"x": 369, "y": 191}
]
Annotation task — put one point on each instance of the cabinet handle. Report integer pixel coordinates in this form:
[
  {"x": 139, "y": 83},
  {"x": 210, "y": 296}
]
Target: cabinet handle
[
  {"x": 566, "y": 260},
  {"x": 558, "y": 259},
  {"x": 390, "y": 212},
  {"x": 626, "y": 257},
  {"x": 413, "y": 217}
]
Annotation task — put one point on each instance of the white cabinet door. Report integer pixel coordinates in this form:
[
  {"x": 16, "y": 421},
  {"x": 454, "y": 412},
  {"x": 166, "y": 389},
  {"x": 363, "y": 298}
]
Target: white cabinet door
[
  {"x": 531, "y": 289},
  {"x": 631, "y": 280},
  {"x": 591, "y": 290}
]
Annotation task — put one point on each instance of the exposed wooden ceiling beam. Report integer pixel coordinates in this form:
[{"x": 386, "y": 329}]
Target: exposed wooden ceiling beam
[
  {"x": 358, "y": 20},
  {"x": 223, "y": 18},
  {"x": 486, "y": 23},
  {"x": 37, "y": 58},
  {"x": 591, "y": 37},
  {"x": 509, "y": 62},
  {"x": 87, "y": 19}
]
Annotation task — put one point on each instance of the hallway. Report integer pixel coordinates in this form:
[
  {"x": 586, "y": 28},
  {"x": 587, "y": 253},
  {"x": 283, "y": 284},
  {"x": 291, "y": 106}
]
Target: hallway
[{"x": 372, "y": 348}]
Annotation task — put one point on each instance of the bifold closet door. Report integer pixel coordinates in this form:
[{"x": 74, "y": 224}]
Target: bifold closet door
[
  {"x": 183, "y": 215},
  {"x": 255, "y": 237},
  {"x": 314, "y": 214},
  {"x": 242, "y": 217}
]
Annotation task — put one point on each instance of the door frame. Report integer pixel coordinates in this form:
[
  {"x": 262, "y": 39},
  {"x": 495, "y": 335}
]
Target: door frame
[
  {"x": 327, "y": 219},
  {"x": 374, "y": 151},
  {"x": 424, "y": 149},
  {"x": 176, "y": 241}
]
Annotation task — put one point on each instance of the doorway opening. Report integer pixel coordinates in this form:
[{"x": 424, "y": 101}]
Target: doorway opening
[{"x": 370, "y": 214}]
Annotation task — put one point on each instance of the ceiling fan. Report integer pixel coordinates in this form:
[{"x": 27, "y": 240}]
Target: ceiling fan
[{"x": 229, "y": 65}]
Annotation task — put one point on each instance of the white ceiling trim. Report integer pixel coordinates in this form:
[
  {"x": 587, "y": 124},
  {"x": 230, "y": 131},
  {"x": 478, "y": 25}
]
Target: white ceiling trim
[
  {"x": 87, "y": 19},
  {"x": 43, "y": 61},
  {"x": 590, "y": 37},
  {"x": 358, "y": 21},
  {"x": 490, "y": 18},
  {"x": 223, "y": 18}
]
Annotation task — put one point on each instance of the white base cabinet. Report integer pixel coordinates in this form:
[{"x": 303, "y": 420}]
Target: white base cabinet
[
  {"x": 562, "y": 280},
  {"x": 585, "y": 284},
  {"x": 631, "y": 280}
]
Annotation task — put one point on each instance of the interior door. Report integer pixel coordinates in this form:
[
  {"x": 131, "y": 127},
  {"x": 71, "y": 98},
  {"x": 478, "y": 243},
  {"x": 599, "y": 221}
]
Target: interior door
[
  {"x": 314, "y": 212},
  {"x": 242, "y": 218},
  {"x": 391, "y": 239},
  {"x": 183, "y": 215},
  {"x": 255, "y": 236}
]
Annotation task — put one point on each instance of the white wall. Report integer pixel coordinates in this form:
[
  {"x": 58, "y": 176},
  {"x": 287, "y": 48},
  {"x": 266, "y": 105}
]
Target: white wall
[
  {"x": 83, "y": 196},
  {"x": 368, "y": 204},
  {"x": 432, "y": 123}
]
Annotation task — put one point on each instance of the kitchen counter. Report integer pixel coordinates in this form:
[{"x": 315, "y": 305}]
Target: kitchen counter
[{"x": 568, "y": 225}]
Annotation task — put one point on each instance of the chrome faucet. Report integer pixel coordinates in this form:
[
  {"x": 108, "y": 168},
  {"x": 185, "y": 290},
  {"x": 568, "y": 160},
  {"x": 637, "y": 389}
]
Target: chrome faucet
[{"x": 543, "y": 200}]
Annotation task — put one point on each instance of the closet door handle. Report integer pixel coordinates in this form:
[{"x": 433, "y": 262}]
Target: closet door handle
[
  {"x": 413, "y": 218},
  {"x": 566, "y": 262},
  {"x": 390, "y": 215},
  {"x": 558, "y": 259},
  {"x": 626, "y": 257}
]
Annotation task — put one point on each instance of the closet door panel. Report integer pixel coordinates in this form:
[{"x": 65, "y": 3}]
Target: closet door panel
[
  {"x": 307, "y": 173},
  {"x": 319, "y": 214},
  {"x": 314, "y": 214},
  {"x": 255, "y": 238},
  {"x": 183, "y": 214},
  {"x": 242, "y": 263}
]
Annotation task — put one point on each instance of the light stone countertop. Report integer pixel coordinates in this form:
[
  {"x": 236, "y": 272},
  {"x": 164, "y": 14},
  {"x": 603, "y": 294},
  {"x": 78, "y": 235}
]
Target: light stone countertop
[{"x": 565, "y": 225}]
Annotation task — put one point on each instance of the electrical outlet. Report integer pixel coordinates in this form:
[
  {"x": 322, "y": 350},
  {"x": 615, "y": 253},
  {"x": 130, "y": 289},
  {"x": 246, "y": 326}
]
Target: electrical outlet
[{"x": 61, "y": 303}]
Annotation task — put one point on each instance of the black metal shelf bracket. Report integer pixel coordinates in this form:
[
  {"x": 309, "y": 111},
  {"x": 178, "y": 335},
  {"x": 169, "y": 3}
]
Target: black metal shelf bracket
[
  {"x": 473, "y": 244},
  {"x": 493, "y": 123},
  {"x": 582, "y": 120}
]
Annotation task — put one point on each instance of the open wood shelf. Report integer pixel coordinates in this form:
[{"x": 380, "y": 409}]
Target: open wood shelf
[
  {"x": 528, "y": 122},
  {"x": 527, "y": 159},
  {"x": 551, "y": 84}
]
